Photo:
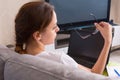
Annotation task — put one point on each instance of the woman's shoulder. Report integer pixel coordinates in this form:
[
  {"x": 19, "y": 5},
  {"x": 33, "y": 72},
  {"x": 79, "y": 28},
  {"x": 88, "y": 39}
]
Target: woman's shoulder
[
  {"x": 55, "y": 52},
  {"x": 51, "y": 53}
]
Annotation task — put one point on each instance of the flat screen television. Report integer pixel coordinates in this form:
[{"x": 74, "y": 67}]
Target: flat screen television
[{"x": 80, "y": 13}]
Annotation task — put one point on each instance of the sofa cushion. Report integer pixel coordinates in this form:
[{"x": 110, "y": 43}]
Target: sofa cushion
[
  {"x": 28, "y": 67},
  {"x": 5, "y": 54}
]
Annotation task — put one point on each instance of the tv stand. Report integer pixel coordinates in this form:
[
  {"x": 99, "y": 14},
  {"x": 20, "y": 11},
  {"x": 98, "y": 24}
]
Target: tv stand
[{"x": 62, "y": 39}]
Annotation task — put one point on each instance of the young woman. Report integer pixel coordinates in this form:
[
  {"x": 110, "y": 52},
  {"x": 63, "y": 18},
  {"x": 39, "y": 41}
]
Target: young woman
[{"x": 36, "y": 26}]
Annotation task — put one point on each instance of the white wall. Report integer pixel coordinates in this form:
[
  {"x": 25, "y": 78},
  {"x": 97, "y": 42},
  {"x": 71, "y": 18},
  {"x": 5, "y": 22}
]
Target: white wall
[
  {"x": 115, "y": 11},
  {"x": 8, "y": 11}
]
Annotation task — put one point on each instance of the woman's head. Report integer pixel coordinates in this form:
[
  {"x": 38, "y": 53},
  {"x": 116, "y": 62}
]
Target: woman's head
[{"x": 34, "y": 19}]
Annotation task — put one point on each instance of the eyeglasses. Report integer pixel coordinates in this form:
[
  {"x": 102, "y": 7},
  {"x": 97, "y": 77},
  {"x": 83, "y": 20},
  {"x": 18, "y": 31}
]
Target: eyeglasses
[
  {"x": 93, "y": 33},
  {"x": 96, "y": 31}
]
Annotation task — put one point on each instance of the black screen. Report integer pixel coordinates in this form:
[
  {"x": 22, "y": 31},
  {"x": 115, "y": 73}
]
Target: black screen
[
  {"x": 85, "y": 50},
  {"x": 76, "y": 13}
]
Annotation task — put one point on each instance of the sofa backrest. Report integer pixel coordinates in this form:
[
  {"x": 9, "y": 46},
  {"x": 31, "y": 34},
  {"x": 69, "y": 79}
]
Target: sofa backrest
[
  {"x": 5, "y": 54},
  {"x": 28, "y": 67}
]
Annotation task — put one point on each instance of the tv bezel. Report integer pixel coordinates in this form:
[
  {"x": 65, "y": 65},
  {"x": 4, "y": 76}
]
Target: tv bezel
[{"x": 81, "y": 24}]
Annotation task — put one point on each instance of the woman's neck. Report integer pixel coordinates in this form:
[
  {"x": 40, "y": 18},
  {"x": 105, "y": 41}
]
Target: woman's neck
[{"x": 34, "y": 48}]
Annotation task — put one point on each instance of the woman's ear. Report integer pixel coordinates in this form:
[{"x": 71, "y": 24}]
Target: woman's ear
[{"x": 37, "y": 35}]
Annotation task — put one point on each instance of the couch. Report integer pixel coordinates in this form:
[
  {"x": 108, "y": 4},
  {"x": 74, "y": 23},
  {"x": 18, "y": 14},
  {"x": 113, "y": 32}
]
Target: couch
[{"x": 14, "y": 66}]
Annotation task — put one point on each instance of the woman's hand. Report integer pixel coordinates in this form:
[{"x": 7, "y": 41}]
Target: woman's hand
[{"x": 105, "y": 29}]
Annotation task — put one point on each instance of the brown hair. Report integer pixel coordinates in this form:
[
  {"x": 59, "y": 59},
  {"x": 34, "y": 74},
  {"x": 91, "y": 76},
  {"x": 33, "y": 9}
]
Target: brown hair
[{"x": 32, "y": 16}]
